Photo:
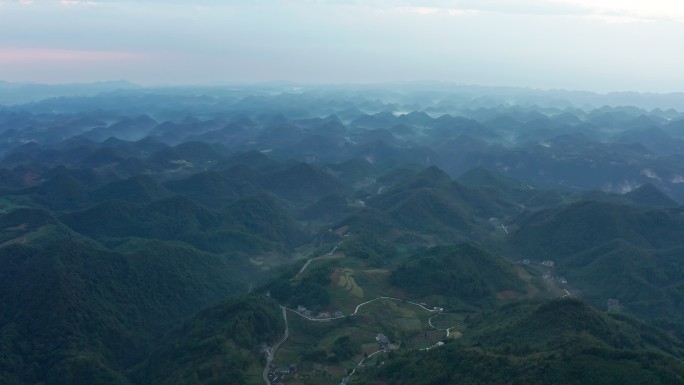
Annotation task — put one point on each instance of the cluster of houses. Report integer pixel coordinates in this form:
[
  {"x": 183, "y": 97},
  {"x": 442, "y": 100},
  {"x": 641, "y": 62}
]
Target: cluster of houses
[
  {"x": 548, "y": 263},
  {"x": 549, "y": 276},
  {"x": 384, "y": 343},
  {"x": 277, "y": 374},
  {"x": 322, "y": 315}
]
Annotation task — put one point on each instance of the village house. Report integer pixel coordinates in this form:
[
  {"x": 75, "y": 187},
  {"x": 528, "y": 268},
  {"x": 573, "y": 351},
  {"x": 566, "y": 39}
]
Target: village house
[
  {"x": 304, "y": 311},
  {"x": 382, "y": 339},
  {"x": 383, "y": 342},
  {"x": 284, "y": 370}
]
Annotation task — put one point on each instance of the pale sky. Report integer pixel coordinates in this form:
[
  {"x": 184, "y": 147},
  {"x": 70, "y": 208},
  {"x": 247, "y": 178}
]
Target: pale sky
[{"x": 599, "y": 45}]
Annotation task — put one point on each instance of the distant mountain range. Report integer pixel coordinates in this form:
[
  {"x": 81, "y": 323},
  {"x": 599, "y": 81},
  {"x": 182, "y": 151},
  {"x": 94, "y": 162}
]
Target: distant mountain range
[{"x": 17, "y": 93}]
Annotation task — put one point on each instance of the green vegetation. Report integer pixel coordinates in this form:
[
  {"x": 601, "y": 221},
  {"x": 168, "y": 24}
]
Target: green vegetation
[
  {"x": 110, "y": 278},
  {"x": 558, "y": 341},
  {"x": 343, "y": 348},
  {"x": 217, "y": 346},
  {"x": 59, "y": 192},
  {"x": 429, "y": 203},
  {"x": 138, "y": 189},
  {"x": 612, "y": 252},
  {"x": 6, "y": 205},
  {"x": 649, "y": 196},
  {"x": 498, "y": 186},
  {"x": 83, "y": 314},
  {"x": 329, "y": 208},
  {"x": 302, "y": 183},
  {"x": 369, "y": 247},
  {"x": 211, "y": 188},
  {"x": 580, "y": 226},
  {"x": 461, "y": 274},
  {"x": 253, "y": 224},
  {"x": 308, "y": 291}
]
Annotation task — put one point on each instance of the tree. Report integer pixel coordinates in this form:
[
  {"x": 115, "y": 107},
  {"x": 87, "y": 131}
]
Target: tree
[{"x": 343, "y": 348}]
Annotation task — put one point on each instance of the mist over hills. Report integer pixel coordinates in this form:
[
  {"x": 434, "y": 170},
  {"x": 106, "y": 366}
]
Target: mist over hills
[
  {"x": 152, "y": 235},
  {"x": 574, "y": 147}
]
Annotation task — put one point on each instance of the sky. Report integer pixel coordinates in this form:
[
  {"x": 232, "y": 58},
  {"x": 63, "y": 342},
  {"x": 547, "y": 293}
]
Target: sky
[{"x": 597, "y": 45}]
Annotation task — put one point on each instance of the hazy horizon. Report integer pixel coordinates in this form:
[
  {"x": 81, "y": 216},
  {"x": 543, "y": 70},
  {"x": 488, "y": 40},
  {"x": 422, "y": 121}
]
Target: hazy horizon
[
  {"x": 427, "y": 84},
  {"x": 600, "y": 46}
]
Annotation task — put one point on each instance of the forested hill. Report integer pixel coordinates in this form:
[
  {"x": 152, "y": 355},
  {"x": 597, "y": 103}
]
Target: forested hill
[
  {"x": 558, "y": 342},
  {"x": 217, "y": 345}
]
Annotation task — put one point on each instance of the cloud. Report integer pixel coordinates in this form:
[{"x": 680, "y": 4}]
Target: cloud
[
  {"x": 462, "y": 12},
  {"x": 463, "y": 7},
  {"x": 609, "y": 11},
  {"x": 21, "y": 2},
  {"x": 436, "y": 10},
  {"x": 629, "y": 10},
  {"x": 73, "y": 3},
  {"x": 616, "y": 19},
  {"x": 51, "y": 55},
  {"x": 419, "y": 10}
]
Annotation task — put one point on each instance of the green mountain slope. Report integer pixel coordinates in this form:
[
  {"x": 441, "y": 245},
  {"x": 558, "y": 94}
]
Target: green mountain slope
[
  {"x": 217, "y": 346},
  {"x": 329, "y": 208},
  {"x": 301, "y": 183},
  {"x": 170, "y": 218},
  {"x": 464, "y": 273},
  {"x": 498, "y": 185},
  {"x": 138, "y": 189},
  {"x": 74, "y": 312},
  {"x": 611, "y": 251},
  {"x": 430, "y": 202},
  {"x": 647, "y": 283},
  {"x": 60, "y": 192},
  {"x": 563, "y": 232},
  {"x": 211, "y": 189},
  {"x": 253, "y": 224},
  {"x": 554, "y": 342},
  {"x": 648, "y": 195},
  {"x": 262, "y": 215}
]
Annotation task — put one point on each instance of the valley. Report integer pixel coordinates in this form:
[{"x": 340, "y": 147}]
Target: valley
[{"x": 367, "y": 323}]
